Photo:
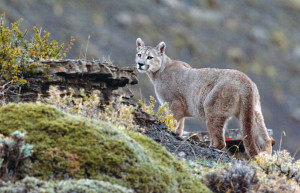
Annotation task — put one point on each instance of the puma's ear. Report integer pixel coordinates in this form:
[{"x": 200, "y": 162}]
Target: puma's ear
[
  {"x": 161, "y": 47},
  {"x": 139, "y": 43}
]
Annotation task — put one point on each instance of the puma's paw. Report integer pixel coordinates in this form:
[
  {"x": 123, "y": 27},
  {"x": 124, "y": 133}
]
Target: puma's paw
[
  {"x": 179, "y": 132},
  {"x": 218, "y": 146}
]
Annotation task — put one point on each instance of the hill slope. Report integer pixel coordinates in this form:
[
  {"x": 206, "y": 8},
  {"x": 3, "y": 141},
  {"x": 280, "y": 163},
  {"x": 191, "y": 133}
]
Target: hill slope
[{"x": 260, "y": 38}]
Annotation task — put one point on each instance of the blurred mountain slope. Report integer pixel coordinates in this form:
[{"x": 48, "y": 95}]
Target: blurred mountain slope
[{"x": 260, "y": 38}]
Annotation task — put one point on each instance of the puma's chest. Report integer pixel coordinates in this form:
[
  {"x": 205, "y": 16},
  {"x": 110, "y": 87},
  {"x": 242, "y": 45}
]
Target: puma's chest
[{"x": 164, "y": 93}]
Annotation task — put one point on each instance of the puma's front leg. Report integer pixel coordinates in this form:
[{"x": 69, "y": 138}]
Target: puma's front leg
[
  {"x": 180, "y": 126},
  {"x": 178, "y": 110}
]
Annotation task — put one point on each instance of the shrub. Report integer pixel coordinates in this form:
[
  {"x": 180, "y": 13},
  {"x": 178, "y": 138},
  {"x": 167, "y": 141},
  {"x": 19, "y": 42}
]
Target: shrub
[
  {"x": 237, "y": 176},
  {"x": 280, "y": 163},
  {"x": 19, "y": 57},
  {"x": 67, "y": 146},
  {"x": 274, "y": 183},
  {"x": 85, "y": 105},
  {"x": 164, "y": 114},
  {"x": 260, "y": 176},
  {"x": 13, "y": 154}
]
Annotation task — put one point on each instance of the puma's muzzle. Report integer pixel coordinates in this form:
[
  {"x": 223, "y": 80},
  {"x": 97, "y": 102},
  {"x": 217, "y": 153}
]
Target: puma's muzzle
[{"x": 142, "y": 67}]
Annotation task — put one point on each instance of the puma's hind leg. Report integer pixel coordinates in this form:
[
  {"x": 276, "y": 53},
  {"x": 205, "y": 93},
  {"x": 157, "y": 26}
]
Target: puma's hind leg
[{"x": 215, "y": 126}]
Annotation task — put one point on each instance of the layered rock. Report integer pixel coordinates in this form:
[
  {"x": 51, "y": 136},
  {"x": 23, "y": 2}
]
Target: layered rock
[{"x": 77, "y": 74}]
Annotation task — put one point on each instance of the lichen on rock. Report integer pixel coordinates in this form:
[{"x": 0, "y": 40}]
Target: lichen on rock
[
  {"x": 67, "y": 146},
  {"x": 34, "y": 185}
]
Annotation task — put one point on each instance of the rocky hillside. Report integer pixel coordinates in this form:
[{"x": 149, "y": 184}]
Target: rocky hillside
[
  {"x": 49, "y": 150},
  {"x": 260, "y": 38}
]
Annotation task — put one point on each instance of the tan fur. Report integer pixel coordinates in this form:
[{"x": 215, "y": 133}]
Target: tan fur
[{"x": 208, "y": 94}]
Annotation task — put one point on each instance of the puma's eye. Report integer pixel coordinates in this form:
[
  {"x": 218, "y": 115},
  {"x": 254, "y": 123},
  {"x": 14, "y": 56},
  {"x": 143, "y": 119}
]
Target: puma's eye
[
  {"x": 139, "y": 55},
  {"x": 149, "y": 57}
]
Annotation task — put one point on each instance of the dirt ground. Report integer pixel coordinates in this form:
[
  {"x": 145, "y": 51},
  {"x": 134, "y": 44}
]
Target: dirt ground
[{"x": 181, "y": 147}]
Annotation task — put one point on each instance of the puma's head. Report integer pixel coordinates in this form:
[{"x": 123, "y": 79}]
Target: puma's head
[{"x": 149, "y": 59}]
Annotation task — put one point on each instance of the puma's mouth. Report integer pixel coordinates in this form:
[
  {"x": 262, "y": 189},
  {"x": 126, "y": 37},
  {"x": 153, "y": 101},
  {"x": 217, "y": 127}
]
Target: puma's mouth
[{"x": 142, "y": 68}]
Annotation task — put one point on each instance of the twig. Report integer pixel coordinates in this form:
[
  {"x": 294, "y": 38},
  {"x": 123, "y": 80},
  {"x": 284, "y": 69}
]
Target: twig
[
  {"x": 26, "y": 94},
  {"x": 219, "y": 159},
  {"x": 3, "y": 86},
  {"x": 87, "y": 45},
  {"x": 193, "y": 151},
  {"x": 80, "y": 51},
  {"x": 238, "y": 148},
  {"x": 3, "y": 92},
  {"x": 184, "y": 141},
  {"x": 41, "y": 29},
  {"x": 283, "y": 132},
  {"x": 297, "y": 150}
]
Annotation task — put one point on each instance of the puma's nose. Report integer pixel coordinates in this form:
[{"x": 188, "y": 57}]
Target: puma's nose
[{"x": 141, "y": 64}]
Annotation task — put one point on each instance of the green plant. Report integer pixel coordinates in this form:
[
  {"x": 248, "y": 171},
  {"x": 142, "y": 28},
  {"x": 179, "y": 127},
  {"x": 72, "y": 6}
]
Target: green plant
[
  {"x": 274, "y": 183},
  {"x": 20, "y": 57},
  {"x": 163, "y": 113},
  {"x": 117, "y": 113},
  {"x": 242, "y": 176},
  {"x": 235, "y": 177},
  {"x": 280, "y": 163},
  {"x": 13, "y": 153}
]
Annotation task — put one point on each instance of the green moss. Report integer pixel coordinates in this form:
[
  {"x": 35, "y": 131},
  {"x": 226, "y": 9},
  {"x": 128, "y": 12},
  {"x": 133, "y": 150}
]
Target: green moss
[{"x": 73, "y": 146}]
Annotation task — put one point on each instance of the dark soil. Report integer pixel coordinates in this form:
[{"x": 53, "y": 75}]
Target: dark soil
[{"x": 185, "y": 148}]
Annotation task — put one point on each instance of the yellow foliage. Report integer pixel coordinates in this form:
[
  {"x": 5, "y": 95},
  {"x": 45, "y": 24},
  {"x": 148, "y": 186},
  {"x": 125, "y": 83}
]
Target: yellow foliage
[
  {"x": 19, "y": 57},
  {"x": 85, "y": 105},
  {"x": 163, "y": 113}
]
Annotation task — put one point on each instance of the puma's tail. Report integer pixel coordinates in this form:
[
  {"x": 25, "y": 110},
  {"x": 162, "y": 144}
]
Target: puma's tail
[{"x": 247, "y": 123}]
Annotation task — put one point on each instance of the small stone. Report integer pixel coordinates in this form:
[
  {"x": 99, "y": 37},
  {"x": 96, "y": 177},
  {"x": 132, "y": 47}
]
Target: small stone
[
  {"x": 181, "y": 154},
  {"x": 179, "y": 137}
]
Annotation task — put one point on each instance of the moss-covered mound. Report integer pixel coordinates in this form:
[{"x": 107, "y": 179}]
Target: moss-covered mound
[{"x": 72, "y": 146}]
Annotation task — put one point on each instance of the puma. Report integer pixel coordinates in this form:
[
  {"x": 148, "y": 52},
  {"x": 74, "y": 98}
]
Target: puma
[{"x": 208, "y": 94}]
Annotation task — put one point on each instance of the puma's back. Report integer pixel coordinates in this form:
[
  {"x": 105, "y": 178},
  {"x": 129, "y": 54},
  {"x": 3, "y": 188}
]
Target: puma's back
[{"x": 208, "y": 94}]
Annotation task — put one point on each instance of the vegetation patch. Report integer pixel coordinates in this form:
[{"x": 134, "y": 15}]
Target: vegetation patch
[
  {"x": 31, "y": 184},
  {"x": 235, "y": 177},
  {"x": 19, "y": 57},
  {"x": 67, "y": 146},
  {"x": 242, "y": 176},
  {"x": 13, "y": 155},
  {"x": 163, "y": 113},
  {"x": 281, "y": 163},
  {"x": 89, "y": 105}
]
